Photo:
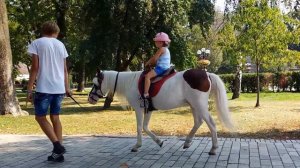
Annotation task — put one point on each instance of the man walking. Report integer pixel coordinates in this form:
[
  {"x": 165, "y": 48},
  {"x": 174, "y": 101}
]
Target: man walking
[{"x": 50, "y": 72}]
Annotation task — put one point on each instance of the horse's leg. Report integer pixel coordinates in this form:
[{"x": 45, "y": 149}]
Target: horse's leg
[
  {"x": 197, "y": 123},
  {"x": 147, "y": 130},
  {"x": 212, "y": 127},
  {"x": 139, "y": 125},
  {"x": 202, "y": 112}
]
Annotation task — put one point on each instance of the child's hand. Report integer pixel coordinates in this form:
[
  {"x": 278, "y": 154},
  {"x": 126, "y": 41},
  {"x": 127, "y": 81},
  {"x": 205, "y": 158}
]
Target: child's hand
[{"x": 147, "y": 66}]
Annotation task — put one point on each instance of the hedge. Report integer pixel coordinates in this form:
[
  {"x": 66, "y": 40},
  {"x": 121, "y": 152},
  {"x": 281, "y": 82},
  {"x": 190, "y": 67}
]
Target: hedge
[{"x": 283, "y": 81}]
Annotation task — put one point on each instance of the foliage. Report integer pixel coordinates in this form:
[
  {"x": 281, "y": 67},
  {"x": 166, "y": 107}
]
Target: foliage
[
  {"x": 257, "y": 24},
  {"x": 115, "y": 34},
  {"x": 123, "y": 31},
  {"x": 283, "y": 81},
  {"x": 261, "y": 33},
  {"x": 209, "y": 41},
  {"x": 25, "y": 18},
  {"x": 230, "y": 48},
  {"x": 228, "y": 81},
  {"x": 202, "y": 13}
]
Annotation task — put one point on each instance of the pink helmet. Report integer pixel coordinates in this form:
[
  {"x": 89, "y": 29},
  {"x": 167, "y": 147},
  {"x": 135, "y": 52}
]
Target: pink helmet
[{"x": 162, "y": 37}]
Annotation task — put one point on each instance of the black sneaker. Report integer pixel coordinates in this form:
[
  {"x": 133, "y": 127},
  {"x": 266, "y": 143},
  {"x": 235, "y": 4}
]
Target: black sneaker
[
  {"x": 60, "y": 150},
  {"x": 54, "y": 157}
]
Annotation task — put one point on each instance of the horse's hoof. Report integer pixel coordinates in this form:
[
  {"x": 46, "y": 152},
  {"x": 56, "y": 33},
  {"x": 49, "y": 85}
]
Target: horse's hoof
[
  {"x": 134, "y": 150},
  {"x": 213, "y": 150},
  {"x": 161, "y": 144},
  {"x": 185, "y": 146},
  {"x": 212, "y": 153}
]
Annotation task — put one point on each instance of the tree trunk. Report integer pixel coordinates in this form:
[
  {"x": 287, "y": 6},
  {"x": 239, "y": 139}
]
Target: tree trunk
[
  {"x": 61, "y": 7},
  {"x": 258, "y": 85},
  {"x": 108, "y": 100},
  {"x": 9, "y": 103},
  {"x": 81, "y": 79},
  {"x": 237, "y": 83}
]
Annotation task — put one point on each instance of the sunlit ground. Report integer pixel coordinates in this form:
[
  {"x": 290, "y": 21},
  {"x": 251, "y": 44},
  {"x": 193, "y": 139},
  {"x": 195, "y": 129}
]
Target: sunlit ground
[{"x": 278, "y": 117}]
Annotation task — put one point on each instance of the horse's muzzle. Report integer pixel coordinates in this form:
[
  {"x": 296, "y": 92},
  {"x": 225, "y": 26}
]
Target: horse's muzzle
[{"x": 92, "y": 100}]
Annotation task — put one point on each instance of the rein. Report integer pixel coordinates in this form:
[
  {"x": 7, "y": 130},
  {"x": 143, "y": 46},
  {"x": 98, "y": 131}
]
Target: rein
[
  {"x": 77, "y": 102},
  {"x": 109, "y": 99},
  {"x": 116, "y": 83}
]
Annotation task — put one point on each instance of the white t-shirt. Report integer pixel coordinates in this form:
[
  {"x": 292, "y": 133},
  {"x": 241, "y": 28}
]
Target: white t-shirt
[{"x": 51, "y": 53}]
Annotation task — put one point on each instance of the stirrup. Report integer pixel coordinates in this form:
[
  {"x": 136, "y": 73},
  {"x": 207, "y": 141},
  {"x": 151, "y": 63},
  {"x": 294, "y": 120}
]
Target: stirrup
[{"x": 144, "y": 102}]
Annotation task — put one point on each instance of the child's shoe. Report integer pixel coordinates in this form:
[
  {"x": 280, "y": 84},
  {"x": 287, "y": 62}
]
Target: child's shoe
[{"x": 144, "y": 102}]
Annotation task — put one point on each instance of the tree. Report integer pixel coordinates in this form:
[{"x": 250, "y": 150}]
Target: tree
[
  {"x": 263, "y": 35},
  {"x": 232, "y": 53},
  {"x": 61, "y": 8},
  {"x": 8, "y": 102},
  {"x": 122, "y": 32},
  {"x": 202, "y": 13},
  {"x": 25, "y": 18},
  {"x": 209, "y": 41},
  {"x": 77, "y": 42}
]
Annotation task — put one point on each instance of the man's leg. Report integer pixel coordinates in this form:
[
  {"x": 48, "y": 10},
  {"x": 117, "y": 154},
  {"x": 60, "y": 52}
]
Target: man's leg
[
  {"x": 41, "y": 105},
  {"x": 58, "y": 150},
  {"x": 47, "y": 128},
  {"x": 57, "y": 127},
  {"x": 55, "y": 106}
]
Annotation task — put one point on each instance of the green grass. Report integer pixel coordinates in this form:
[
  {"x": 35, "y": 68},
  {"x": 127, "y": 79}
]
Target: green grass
[
  {"x": 269, "y": 96},
  {"x": 278, "y": 117}
]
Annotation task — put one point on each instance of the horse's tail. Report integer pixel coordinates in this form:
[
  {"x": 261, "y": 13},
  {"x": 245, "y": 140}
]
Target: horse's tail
[{"x": 219, "y": 94}]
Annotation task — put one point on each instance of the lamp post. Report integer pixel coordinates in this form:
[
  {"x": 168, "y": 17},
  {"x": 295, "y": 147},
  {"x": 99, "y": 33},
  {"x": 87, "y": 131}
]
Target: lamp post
[
  {"x": 248, "y": 67},
  {"x": 203, "y": 58}
]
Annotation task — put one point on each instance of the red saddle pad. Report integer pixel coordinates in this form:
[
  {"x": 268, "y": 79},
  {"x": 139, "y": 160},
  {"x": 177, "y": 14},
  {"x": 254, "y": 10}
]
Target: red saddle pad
[{"x": 154, "y": 87}]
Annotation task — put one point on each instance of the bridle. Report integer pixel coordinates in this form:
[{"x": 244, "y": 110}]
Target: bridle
[
  {"x": 94, "y": 91},
  {"x": 100, "y": 78}
]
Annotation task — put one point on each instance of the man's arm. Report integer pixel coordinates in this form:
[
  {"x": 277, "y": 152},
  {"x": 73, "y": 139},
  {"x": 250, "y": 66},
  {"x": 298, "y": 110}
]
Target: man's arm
[
  {"x": 67, "y": 88},
  {"x": 33, "y": 72}
]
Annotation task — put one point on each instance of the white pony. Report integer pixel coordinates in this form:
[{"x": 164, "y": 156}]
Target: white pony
[{"x": 175, "y": 92}]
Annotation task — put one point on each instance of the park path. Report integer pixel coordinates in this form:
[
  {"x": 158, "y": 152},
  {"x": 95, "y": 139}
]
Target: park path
[{"x": 31, "y": 151}]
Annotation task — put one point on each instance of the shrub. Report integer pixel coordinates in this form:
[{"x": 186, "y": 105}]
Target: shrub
[
  {"x": 295, "y": 81},
  {"x": 228, "y": 81},
  {"x": 282, "y": 81}
]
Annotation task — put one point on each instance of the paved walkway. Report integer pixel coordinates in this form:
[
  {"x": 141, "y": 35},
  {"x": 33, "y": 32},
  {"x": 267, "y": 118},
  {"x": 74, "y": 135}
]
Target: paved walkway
[{"x": 114, "y": 152}]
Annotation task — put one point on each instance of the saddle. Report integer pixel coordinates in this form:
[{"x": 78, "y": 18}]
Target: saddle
[{"x": 156, "y": 82}]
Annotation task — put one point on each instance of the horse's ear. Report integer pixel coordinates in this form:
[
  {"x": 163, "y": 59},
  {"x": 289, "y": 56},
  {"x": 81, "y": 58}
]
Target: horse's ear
[{"x": 98, "y": 71}]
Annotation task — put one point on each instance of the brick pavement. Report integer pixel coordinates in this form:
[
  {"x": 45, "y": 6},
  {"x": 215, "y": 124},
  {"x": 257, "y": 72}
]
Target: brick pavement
[{"x": 114, "y": 152}]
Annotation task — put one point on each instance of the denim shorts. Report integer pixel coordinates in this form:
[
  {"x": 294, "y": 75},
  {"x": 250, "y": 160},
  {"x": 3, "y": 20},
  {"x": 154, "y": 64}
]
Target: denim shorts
[
  {"x": 42, "y": 102},
  {"x": 159, "y": 71}
]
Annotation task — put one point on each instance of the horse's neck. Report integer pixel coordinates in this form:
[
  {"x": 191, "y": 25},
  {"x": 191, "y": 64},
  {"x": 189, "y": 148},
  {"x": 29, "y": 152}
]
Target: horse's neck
[{"x": 124, "y": 82}]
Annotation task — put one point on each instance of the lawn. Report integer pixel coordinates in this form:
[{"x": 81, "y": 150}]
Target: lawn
[{"x": 278, "y": 118}]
